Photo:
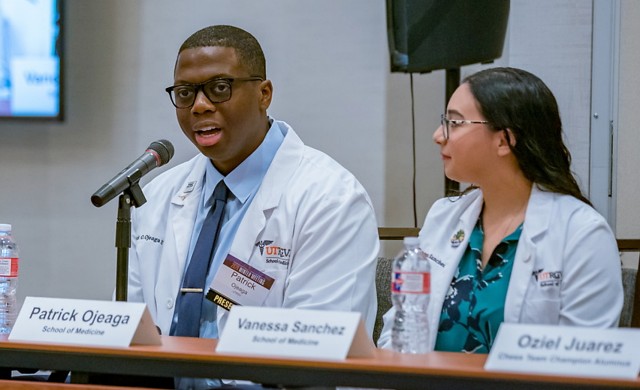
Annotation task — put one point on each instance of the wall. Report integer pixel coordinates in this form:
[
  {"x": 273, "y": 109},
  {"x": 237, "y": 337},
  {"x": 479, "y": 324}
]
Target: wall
[
  {"x": 328, "y": 62},
  {"x": 555, "y": 46},
  {"x": 628, "y": 145},
  {"x": 628, "y": 136}
]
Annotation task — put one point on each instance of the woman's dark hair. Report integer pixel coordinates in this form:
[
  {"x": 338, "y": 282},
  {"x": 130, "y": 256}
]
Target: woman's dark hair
[
  {"x": 517, "y": 100},
  {"x": 247, "y": 48}
]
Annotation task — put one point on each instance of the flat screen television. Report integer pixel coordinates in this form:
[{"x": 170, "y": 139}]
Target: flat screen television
[{"x": 31, "y": 59}]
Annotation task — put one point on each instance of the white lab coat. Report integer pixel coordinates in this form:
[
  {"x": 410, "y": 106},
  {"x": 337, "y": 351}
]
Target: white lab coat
[
  {"x": 307, "y": 204},
  {"x": 560, "y": 234}
]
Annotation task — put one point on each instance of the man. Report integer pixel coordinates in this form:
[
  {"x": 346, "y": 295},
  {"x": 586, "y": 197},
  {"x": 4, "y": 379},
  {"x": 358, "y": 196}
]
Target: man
[{"x": 290, "y": 212}]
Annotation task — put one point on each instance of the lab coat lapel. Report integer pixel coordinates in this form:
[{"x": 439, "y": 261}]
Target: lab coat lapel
[
  {"x": 285, "y": 162},
  {"x": 185, "y": 209},
  {"x": 452, "y": 243},
  {"x": 536, "y": 223}
]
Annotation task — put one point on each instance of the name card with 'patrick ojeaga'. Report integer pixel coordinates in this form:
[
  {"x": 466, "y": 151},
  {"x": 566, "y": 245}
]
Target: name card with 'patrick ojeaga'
[{"x": 84, "y": 322}]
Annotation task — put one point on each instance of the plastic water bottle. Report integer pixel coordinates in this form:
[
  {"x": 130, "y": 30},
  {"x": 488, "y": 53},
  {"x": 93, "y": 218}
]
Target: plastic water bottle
[
  {"x": 8, "y": 279},
  {"x": 410, "y": 291}
]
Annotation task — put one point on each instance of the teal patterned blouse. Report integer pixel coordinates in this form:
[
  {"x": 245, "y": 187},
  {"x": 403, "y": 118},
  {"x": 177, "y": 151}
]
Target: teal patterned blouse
[{"x": 474, "y": 306}]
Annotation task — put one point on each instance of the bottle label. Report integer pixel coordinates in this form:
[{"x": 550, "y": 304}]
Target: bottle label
[
  {"x": 9, "y": 267},
  {"x": 411, "y": 283}
]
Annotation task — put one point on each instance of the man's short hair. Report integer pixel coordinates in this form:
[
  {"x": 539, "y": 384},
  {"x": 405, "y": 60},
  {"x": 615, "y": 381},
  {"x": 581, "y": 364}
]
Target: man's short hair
[{"x": 246, "y": 45}]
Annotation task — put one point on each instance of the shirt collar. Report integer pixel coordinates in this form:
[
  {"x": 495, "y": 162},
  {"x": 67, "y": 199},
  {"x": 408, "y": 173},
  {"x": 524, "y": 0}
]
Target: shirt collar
[{"x": 247, "y": 176}]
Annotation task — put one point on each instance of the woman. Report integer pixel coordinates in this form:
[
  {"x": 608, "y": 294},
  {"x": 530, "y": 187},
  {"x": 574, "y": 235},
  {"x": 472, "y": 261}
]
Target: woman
[{"x": 522, "y": 245}]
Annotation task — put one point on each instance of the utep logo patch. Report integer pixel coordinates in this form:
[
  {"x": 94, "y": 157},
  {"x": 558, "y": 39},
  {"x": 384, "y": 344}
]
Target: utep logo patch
[
  {"x": 273, "y": 253},
  {"x": 549, "y": 278}
]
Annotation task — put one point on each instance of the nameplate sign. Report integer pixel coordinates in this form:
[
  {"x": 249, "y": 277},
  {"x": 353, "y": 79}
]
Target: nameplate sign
[
  {"x": 84, "y": 322},
  {"x": 566, "y": 350},
  {"x": 316, "y": 334}
]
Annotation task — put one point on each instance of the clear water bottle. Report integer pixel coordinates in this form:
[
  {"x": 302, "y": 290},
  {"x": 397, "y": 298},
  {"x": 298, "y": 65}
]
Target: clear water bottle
[
  {"x": 8, "y": 279},
  {"x": 410, "y": 291}
]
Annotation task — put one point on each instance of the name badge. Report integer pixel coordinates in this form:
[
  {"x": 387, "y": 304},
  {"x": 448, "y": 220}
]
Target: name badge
[
  {"x": 269, "y": 331},
  {"x": 566, "y": 350},
  {"x": 85, "y": 322},
  {"x": 238, "y": 283}
]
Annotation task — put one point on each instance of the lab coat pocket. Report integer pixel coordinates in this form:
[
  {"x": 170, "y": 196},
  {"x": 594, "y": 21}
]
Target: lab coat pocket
[
  {"x": 541, "y": 311},
  {"x": 276, "y": 293}
]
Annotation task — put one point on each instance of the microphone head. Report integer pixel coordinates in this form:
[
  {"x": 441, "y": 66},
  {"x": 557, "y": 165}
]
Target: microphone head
[
  {"x": 157, "y": 154},
  {"x": 164, "y": 149}
]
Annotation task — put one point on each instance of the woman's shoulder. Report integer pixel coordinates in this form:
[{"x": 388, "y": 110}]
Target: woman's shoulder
[
  {"x": 566, "y": 216},
  {"x": 568, "y": 206}
]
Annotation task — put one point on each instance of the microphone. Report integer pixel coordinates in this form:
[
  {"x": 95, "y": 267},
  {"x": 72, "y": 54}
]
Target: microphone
[{"x": 156, "y": 155}]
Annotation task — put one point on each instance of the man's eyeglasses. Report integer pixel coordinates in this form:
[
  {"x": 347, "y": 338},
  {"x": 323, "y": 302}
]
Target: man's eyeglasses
[
  {"x": 217, "y": 90},
  {"x": 448, "y": 124}
]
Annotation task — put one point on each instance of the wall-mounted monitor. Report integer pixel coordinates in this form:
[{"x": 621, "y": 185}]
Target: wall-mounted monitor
[{"x": 31, "y": 59}]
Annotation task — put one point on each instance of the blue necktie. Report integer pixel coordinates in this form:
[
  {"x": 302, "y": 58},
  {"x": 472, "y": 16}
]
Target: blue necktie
[{"x": 191, "y": 294}]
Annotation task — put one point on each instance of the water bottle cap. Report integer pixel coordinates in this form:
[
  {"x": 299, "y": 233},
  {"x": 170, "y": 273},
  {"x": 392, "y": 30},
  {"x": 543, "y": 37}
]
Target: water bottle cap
[
  {"x": 412, "y": 240},
  {"x": 5, "y": 227}
]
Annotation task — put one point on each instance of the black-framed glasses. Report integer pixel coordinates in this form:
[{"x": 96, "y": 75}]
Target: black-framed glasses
[
  {"x": 217, "y": 90},
  {"x": 448, "y": 124}
]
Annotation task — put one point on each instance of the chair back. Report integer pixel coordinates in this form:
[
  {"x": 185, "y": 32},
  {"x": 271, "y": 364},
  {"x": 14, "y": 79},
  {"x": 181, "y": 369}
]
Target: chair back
[
  {"x": 630, "y": 316},
  {"x": 383, "y": 291}
]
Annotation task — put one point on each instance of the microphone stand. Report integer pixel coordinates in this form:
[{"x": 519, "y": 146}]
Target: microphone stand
[{"x": 131, "y": 197}]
